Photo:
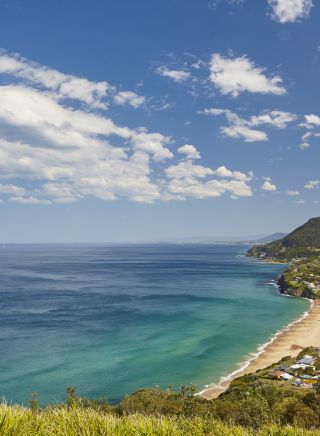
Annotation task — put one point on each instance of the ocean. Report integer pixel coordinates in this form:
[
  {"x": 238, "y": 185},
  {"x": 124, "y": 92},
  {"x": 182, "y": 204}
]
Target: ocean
[{"x": 110, "y": 319}]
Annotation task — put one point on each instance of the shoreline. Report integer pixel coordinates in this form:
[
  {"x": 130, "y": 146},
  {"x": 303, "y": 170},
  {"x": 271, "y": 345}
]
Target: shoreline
[{"x": 299, "y": 334}]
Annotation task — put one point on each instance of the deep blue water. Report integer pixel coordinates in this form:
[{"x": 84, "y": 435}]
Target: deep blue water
[{"x": 111, "y": 319}]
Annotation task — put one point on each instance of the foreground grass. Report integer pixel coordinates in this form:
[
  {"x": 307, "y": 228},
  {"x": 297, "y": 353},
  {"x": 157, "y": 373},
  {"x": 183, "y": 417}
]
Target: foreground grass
[{"x": 56, "y": 421}]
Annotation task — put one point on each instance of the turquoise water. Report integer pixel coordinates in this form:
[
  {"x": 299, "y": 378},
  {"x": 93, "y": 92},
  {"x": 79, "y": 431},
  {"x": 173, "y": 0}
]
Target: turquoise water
[{"x": 112, "y": 319}]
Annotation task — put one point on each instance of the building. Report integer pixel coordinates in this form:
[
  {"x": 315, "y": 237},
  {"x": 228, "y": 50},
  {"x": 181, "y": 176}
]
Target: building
[{"x": 307, "y": 360}]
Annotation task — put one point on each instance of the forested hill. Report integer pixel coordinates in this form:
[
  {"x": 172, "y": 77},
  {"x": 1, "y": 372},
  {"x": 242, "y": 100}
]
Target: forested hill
[{"x": 302, "y": 242}]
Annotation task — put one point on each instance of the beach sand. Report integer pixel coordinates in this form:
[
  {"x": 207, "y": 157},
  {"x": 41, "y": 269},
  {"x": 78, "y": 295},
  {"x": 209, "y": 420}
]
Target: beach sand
[{"x": 300, "y": 334}]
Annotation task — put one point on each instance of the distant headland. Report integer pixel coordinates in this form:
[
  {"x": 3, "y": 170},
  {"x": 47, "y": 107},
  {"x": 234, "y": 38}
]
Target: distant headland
[{"x": 301, "y": 250}]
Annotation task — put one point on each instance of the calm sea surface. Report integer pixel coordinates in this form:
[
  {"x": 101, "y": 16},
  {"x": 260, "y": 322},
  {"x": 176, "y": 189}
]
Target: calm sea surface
[{"x": 111, "y": 319}]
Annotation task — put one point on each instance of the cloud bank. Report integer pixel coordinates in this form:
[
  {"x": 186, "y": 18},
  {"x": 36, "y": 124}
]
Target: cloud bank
[{"x": 57, "y": 145}]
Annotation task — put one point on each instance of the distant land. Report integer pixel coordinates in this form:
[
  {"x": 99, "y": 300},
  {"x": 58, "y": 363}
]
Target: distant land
[
  {"x": 232, "y": 240},
  {"x": 300, "y": 243},
  {"x": 301, "y": 249}
]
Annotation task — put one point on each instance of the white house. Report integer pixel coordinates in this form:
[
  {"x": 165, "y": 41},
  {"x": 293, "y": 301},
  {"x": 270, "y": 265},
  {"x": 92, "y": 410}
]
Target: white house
[{"x": 307, "y": 360}]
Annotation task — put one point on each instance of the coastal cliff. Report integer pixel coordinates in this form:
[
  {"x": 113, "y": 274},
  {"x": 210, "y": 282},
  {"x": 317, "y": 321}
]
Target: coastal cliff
[
  {"x": 302, "y": 279},
  {"x": 301, "y": 249}
]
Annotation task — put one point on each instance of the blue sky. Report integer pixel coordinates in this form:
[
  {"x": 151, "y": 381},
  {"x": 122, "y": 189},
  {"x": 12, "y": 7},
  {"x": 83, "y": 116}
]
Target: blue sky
[{"x": 149, "y": 120}]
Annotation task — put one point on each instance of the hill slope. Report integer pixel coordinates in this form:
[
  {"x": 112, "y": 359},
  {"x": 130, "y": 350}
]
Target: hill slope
[
  {"x": 302, "y": 242},
  {"x": 270, "y": 238}
]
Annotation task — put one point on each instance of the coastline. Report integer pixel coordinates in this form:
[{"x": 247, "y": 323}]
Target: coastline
[{"x": 301, "y": 333}]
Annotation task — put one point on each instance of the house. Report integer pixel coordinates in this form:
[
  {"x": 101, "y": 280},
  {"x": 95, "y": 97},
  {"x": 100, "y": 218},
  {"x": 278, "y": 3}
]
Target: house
[
  {"x": 298, "y": 366},
  {"x": 286, "y": 376},
  {"x": 307, "y": 360},
  {"x": 285, "y": 368},
  {"x": 276, "y": 374}
]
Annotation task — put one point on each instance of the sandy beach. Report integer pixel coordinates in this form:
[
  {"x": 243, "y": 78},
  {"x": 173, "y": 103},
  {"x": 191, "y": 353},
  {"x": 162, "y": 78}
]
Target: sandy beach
[{"x": 300, "y": 334}]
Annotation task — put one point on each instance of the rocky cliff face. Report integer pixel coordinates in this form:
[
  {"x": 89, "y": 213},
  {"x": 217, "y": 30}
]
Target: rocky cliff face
[
  {"x": 302, "y": 279},
  {"x": 286, "y": 289},
  {"x": 301, "y": 249}
]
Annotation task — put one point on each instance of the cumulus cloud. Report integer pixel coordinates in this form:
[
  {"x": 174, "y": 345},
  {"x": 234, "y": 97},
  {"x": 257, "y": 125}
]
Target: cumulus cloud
[
  {"x": 129, "y": 97},
  {"x": 249, "y": 135},
  {"x": 190, "y": 151},
  {"x": 196, "y": 181},
  {"x": 51, "y": 152},
  {"x": 29, "y": 200},
  {"x": 11, "y": 189},
  {"x": 238, "y": 175},
  {"x": 273, "y": 118},
  {"x": 243, "y": 128},
  {"x": 69, "y": 153},
  {"x": 268, "y": 186},
  {"x": 188, "y": 169},
  {"x": 290, "y": 11},
  {"x": 312, "y": 123},
  {"x": 312, "y": 184},
  {"x": 178, "y": 76},
  {"x": 236, "y": 75},
  {"x": 292, "y": 193},
  {"x": 193, "y": 188},
  {"x": 63, "y": 85}
]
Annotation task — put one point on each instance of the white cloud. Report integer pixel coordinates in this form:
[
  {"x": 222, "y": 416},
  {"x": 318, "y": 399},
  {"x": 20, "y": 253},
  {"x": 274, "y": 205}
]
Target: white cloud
[
  {"x": 249, "y": 135},
  {"x": 53, "y": 153},
  {"x": 193, "y": 188},
  {"x": 312, "y": 184},
  {"x": 290, "y": 11},
  {"x": 273, "y": 118},
  {"x": 29, "y": 200},
  {"x": 312, "y": 120},
  {"x": 178, "y": 76},
  {"x": 152, "y": 143},
  {"x": 305, "y": 140},
  {"x": 195, "y": 181},
  {"x": 242, "y": 128},
  {"x": 66, "y": 127},
  {"x": 71, "y": 148},
  {"x": 63, "y": 85},
  {"x": 188, "y": 169},
  {"x": 225, "y": 172},
  {"x": 268, "y": 186},
  {"x": 190, "y": 151},
  {"x": 304, "y": 145},
  {"x": 11, "y": 189},
  {"x": 292, "y": 193},
  {"x": 312, "y": 123},
  {"x": 129, "y": 97},
  {"x": 236, "y": 75}
]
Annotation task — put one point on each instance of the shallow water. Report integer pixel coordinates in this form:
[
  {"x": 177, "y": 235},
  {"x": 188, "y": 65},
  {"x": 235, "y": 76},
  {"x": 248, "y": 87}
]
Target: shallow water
[{"x": 111, "y": 319}]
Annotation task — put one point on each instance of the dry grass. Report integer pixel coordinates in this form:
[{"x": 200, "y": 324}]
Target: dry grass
[{"x": 61, "y": 421}]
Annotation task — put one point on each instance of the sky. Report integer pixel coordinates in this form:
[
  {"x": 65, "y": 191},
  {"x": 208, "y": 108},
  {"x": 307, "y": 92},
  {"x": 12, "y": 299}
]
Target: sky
[{"x": 124, "y": 121}]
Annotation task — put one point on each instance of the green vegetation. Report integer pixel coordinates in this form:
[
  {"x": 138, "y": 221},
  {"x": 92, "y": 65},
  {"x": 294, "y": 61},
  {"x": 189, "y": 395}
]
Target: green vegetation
[
  {"x": 18, "y": 421},
  {"x": 302, "y": 279},
  {"x": 302, "y": 242},
  {"x": 255, "y": 404},
  {"x": 301, "y": 248}
]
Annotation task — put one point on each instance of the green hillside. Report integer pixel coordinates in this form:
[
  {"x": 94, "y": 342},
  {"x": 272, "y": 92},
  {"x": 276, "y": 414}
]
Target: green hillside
[
  {"x": 302, "y": 279},
  {"x": 302, "y": 242}
]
